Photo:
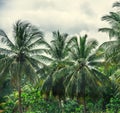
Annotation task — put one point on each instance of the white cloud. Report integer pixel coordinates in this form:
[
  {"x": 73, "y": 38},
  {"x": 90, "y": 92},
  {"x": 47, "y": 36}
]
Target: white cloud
[{"x": 72, "y": 16}]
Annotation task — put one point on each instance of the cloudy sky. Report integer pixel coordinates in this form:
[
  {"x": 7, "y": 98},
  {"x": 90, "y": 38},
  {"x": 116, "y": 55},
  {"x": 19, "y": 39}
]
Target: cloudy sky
[{"x": 71, "y": 16}]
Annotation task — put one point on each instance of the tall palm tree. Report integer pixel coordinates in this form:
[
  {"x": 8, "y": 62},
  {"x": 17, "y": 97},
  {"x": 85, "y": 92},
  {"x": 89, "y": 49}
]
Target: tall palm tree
[
  {"x": 57, "y": 50},
  {"x": 20, "y": 54},
  {"x": 83, "y": 71},
  {"x": 112, "y": 47}
]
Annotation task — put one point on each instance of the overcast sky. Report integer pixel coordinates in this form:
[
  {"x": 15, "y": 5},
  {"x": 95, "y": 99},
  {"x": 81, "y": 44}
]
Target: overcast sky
[{"x": 71, "y": 16}]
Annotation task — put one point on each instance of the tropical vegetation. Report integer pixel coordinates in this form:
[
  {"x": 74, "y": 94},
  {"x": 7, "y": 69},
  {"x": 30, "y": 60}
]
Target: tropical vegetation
[{"x": 67, "y": 74}]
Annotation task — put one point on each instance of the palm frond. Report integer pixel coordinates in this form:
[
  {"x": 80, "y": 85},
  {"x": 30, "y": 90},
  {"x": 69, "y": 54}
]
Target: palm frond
[
  {"x": 57, "y": 48},
  {"x": 71, "y": 41},
  {"x": 25, "y": 33},
  {"x": 107, "y": 44},
  {"x": 82, "y": 45},
  {"x": 112, "y": 33},
  {"x": 5, "y": 65},
  {"x": 91, "y": 78},
  {"x": 47, "y": 85},
  {"x": 90, "y": 46},
  {"x": 42, "y": 58},
  {"x": 35, "y": 43},
  {"x": 5, "y": 39},
  {"x": 29, "y": 71},
  {"x": 113, "y": 17},
  {"x": 37, "y": 51},
  {"x": 97, "y": 55},
  {"x": 6, "y": 51},
  {"x": 96, "y": 63},
  {"x": 116, "y": 4}
]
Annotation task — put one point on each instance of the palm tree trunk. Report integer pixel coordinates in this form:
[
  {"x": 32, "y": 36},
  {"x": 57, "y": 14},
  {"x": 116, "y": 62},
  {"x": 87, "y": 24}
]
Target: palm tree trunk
[
  {"x": 60, "y": 106},
  {"x": 19, "y": 88},
  {"x": 84, "y": 86},
  {"x": 19, "y": 96},
  {"x": 84, "y": 102}
]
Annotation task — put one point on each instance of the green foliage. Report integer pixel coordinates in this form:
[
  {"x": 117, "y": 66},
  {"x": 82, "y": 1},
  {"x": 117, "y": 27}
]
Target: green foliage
[
  {"x": 114, "y": 105},
  {"x": 11, "y": 103},
  {"x": 32, "y": 102},
  {"x": 95, "y": 107},
  {"x": 71, "y": 106},
  {"x": 5, "y": 89}
]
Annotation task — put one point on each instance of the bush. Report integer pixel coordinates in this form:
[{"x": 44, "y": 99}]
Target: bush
[
  {"x": 32, "y": 102},
  {"x": 114, "y": 105}
]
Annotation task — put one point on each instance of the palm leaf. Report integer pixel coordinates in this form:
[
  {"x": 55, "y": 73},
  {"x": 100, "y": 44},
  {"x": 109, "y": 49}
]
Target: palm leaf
[
  {"x": 116, "y": 4},
  {"x": 6, "y": 51},
  {"x": 5, "y": 39},
  {"x": 42, "y": 58}
]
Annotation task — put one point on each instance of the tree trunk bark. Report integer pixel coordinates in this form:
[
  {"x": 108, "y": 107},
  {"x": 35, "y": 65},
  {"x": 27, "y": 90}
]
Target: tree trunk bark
[
  {"x": 19, "y": 87},
  {"x": 84, "y": 102},
  {"x": 19, "y": 96},
  {"x": 19, "y": 99},
  {"x": 84, "y": 86}
]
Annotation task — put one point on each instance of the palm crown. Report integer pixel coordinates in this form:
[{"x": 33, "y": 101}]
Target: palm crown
[
  {"x": 83, "y": 72},
  {"x": 20, "y": 56}
]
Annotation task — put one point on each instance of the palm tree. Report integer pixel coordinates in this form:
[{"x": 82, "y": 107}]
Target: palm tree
[
  {"x": 57, "y": 50},
  {"x": 112, "y": 47},
  {"x": 20, "y": 54},
  {"x": 83, "y": 70}
]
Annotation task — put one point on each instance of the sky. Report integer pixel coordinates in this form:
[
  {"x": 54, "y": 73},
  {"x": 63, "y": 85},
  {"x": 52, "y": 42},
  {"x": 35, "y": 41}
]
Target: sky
[{"x": 69, "y": 16}]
